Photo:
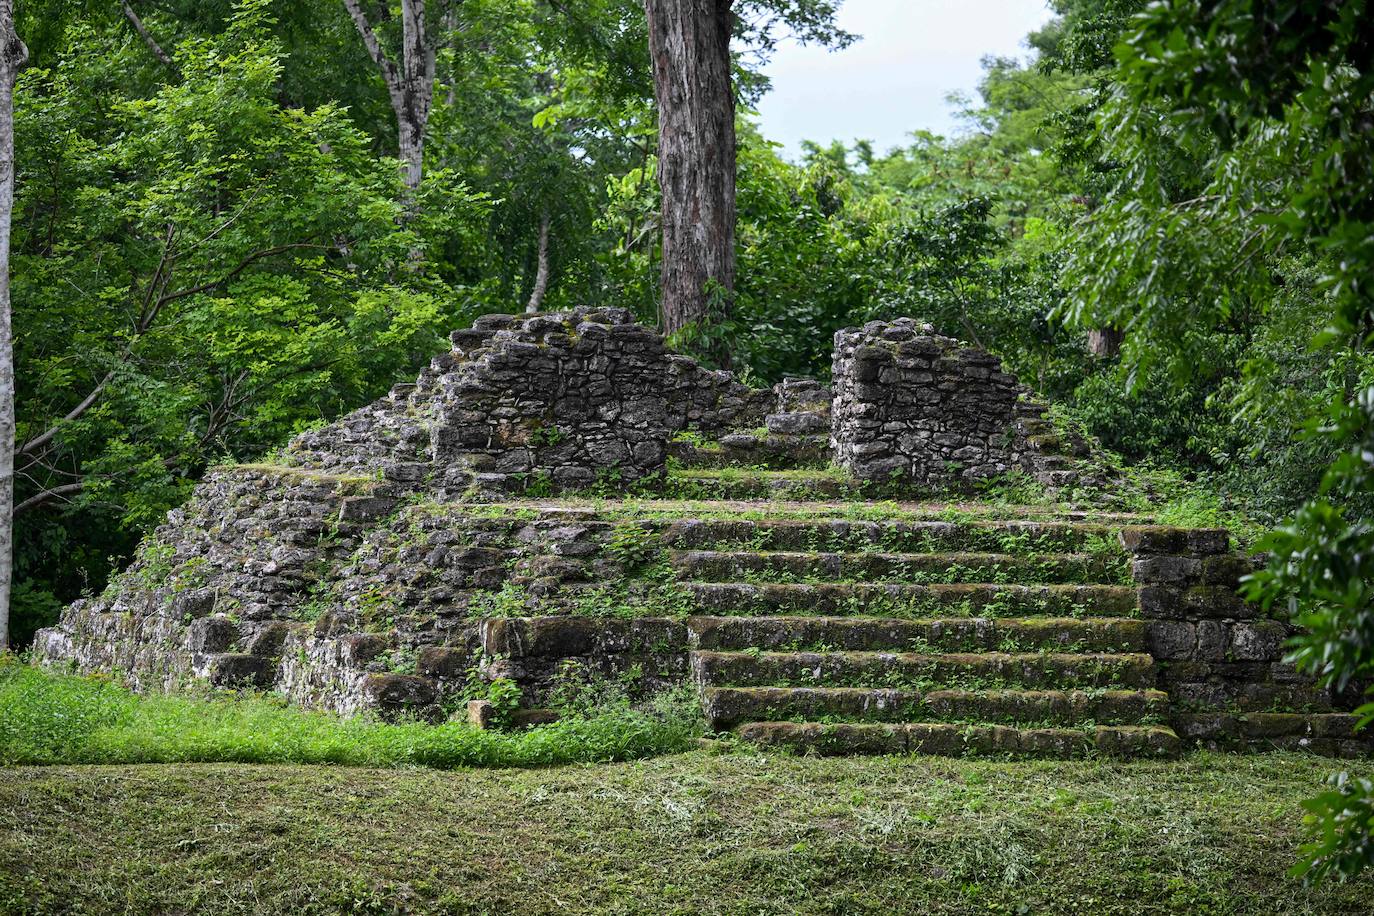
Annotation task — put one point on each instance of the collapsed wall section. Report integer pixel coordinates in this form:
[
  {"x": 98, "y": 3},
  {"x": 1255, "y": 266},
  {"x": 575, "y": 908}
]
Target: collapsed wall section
[{"x": 211, "y": 593}]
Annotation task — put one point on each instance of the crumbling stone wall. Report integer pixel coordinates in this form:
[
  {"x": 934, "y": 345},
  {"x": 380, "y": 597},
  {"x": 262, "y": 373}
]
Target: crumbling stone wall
[
  {"x": 567, "y": 397},
  {"x": 916, "y": 406},
  {"x": 1220, "y": 658},
  {"x": 917, "y": 409},
  {"x": 209, "y": 592}
]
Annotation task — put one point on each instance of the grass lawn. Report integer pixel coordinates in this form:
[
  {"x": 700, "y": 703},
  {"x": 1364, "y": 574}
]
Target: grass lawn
[{"x": 687, "y": 833}]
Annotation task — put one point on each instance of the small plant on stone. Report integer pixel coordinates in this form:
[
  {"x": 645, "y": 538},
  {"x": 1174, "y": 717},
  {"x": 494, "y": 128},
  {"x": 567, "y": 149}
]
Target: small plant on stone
[
  {"x": 580, "y": 691},
  {"x": 510, "y": 601},
  {"x": 153, "y": 565},
  {"x": 538, "y": 484},
  {"x": 610, "y": 481},
  {"x": 542, "y": 436},
  {"x": 633, "y": 546},
  {"x": 400, "y": 660},
  {"x": 1015, "y": 487},
  {"x": 505, "y": 696}
]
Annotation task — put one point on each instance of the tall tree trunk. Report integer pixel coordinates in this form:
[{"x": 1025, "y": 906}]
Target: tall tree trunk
[
  {"x": 689, "y": 41},
  {"x": 1105, "y": 343},
  {"x": 13, "y": 55},
  {"x": 410, "y": 85},
  {"x": 541, "y": 275}
]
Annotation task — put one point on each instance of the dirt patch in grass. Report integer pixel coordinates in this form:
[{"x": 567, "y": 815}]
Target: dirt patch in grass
[{"x": 691, "y": 833}]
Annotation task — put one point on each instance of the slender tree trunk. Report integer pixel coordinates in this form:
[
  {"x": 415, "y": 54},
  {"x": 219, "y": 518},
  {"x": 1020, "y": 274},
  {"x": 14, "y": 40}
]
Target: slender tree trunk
[
  {"x": 541, "y": 276},
  {"x": 147, "y": 37},
  {"x": 13, "y": 55},
  {"x": 417, "y": 89},
  {"x": 411, "y": 151},
  {"x": 689, "y": 41}
]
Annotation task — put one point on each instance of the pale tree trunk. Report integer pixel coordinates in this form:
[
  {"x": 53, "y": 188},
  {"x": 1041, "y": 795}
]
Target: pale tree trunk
[
  {"x": 410, "y": 85},
  {"x": 1104, "y": 343},
  {"x": 541, "y": 275},
  {"x": 689, "y": 41},
  {"x": 13, "y": 56}
]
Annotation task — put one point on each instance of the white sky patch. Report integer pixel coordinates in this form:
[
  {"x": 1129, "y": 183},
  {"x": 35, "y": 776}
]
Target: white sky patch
[{"x": 894, "y": 80}]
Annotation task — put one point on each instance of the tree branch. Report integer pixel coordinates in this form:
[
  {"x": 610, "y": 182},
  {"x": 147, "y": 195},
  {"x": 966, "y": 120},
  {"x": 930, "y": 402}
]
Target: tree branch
[
  {"x": 148, "y": 39},
  {"x": 39, "y": 499},
  {"x": 37, "y": 442},
  {"x": 243, "y": 265},
  {"x": 141, "y": 326},
  {"x": 374, "y": 48}
]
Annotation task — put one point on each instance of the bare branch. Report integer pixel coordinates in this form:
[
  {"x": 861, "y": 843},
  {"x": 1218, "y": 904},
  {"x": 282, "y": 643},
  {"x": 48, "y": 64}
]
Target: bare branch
[
  {"x": 38, "y": 499},
  {"x": 374, "y": 48},
  {"x": 148, "y": 39}
]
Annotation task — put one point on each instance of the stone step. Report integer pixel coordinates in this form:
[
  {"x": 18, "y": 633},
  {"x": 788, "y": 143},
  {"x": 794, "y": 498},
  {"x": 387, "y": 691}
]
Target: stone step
[
  {"x": 798, "y": 423},
  {"x": 956, "y": 740},
  {"x": 728, "y": 566},
  {"x": 748, "y": 450},
  {"x": 1056, "y": 444},
  {"x": 669, "y": 511},
  {"x": 728, "y": 706},
  {"x": 735, "y": 483},
  {"x": 850, "y": 634},
  {"x": 912, "y": 602},
  {"x": 915, "y": 670},
  {"x": 1013, "y": 536}
]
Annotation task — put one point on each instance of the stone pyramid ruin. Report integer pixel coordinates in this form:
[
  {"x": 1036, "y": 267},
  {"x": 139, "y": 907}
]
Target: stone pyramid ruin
[{"x": 562, "y": 491}]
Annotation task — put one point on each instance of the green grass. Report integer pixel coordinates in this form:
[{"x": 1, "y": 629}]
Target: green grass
[
  {"x": 48, "y": 718},
  {"x": 689, "y": 833}
]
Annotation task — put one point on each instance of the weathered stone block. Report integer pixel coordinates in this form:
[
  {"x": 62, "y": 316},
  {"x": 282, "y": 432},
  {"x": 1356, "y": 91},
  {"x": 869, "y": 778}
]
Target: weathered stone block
[
  {"x": 1259, "y": 640},
  {"x": 395, "y": 695},
  {"x": 212, "y": 634},
  {"x": 443, "y": 662},
  {"x": 1166, "y": 570},
  {"x": 241, "y": 670}
]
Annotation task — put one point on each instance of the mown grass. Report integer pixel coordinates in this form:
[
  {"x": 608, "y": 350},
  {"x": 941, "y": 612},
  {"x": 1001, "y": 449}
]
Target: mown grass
[
  {"x": 535, "y": 822},
  {"x": 688, "y": 833},
  {"x": 49, "y": 718}
]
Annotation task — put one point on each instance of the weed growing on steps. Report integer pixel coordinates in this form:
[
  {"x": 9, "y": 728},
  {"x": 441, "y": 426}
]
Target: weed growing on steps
[{"x": 49, "y": 718}]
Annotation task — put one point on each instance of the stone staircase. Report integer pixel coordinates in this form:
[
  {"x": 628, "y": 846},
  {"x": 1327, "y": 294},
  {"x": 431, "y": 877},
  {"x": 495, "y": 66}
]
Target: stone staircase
[{"x": 837, "y": 635}]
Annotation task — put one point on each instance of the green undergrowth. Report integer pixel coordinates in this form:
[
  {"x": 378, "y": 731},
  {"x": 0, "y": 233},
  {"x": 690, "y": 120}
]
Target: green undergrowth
[{"x": 50, "y": 718}]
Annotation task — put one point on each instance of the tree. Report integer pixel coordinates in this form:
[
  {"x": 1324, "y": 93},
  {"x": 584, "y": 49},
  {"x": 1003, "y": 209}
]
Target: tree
[
  {"x": 689, "y": 43},
  {"x": 13, "y": 55},
  {"x": 1274, "y": 100},
  {"x": 409, "y": 83}
]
